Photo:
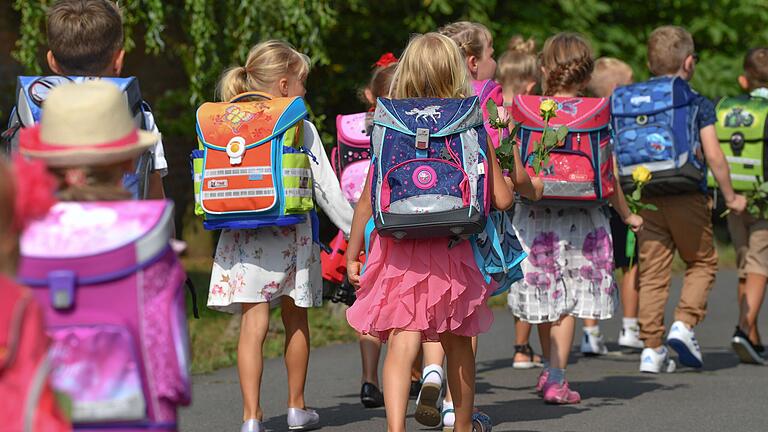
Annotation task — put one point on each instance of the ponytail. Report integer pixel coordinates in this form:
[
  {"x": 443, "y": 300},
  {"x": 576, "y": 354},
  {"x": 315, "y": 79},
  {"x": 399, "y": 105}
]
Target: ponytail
[{"x": 233, "y": 82}]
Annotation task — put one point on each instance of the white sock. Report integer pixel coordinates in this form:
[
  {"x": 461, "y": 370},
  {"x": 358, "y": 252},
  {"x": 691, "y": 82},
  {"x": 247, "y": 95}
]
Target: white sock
[
  {"x": 449, "y": 419},
  {"x": 629, "y": 322},
  {"x": 592, "y": 329},
  {"x": 432, "y": 374}
]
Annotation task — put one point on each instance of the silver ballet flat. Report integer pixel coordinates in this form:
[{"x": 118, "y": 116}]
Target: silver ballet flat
[
  {"x": 252, "y": 425},
  {"x": 302, "y": 419}
]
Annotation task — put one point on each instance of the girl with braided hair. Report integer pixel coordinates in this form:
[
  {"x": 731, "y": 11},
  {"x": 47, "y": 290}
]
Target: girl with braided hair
[{"x": 569, "y": 270}]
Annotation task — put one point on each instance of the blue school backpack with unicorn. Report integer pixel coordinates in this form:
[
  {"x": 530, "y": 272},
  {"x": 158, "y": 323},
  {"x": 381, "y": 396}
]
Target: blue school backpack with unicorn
[
  {"x": 429, "y": 168},
  {"x": 654, "y": 125}
]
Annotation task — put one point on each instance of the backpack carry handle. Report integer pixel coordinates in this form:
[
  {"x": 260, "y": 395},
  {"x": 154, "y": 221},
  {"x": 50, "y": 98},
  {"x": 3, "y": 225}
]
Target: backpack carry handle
[{"x": 242, "y": 96}]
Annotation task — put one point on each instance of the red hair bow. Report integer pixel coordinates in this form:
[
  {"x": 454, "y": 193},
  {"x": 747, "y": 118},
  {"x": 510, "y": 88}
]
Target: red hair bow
[
  {"x": 385, "y": 60},
  {"x": 35, "y": 189}
]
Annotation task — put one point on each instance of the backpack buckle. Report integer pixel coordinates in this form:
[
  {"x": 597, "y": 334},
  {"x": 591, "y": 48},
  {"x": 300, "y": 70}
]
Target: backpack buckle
[
  {"x": 422, "y": 138},
  {"x": 62, "y": 286}
]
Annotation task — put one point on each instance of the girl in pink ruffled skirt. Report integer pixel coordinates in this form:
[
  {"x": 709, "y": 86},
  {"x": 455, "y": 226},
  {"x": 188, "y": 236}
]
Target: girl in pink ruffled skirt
[{"x": 415, "y": 290}]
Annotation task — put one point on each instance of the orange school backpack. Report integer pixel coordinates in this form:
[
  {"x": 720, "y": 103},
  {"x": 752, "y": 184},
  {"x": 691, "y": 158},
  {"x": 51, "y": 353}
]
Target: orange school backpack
[{"x": 252, "y": 169}]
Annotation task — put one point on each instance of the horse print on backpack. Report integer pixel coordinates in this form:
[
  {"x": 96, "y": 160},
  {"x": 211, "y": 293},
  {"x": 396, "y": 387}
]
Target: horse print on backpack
[
  {"x": 654, "y": 125},
  {"x": 429, "y": 168}
]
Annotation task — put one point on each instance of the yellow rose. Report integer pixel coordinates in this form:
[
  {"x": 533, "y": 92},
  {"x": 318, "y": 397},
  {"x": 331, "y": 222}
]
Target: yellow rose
[
  {"x": 641, "y": 175},
  {"x": 548, "y": 108}
]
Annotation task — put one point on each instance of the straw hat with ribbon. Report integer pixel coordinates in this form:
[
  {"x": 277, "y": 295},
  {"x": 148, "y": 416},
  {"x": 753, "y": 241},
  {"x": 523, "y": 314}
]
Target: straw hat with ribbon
[{"x": 86, "y": 123}]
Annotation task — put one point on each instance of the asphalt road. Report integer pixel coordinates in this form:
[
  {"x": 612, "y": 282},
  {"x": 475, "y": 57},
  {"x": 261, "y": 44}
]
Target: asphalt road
[{"x": 724, "y": 396}]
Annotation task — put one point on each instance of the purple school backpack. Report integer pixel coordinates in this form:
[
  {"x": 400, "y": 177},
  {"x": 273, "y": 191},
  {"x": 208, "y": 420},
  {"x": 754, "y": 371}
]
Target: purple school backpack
[
  {"x": 112, "y": 292},
  {"x": 429, "y": 168}
]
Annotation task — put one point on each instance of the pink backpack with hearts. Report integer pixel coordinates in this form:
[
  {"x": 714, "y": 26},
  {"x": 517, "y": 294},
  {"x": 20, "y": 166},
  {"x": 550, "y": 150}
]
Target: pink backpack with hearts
[
  {"x": 581, "y": 170},
  {"x": 112, "y": 292},
  {"x": 351, "y": 157}
]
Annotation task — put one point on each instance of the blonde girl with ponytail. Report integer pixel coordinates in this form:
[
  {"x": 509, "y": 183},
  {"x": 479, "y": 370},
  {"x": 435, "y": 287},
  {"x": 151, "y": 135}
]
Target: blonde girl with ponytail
[{"x": 259, "y": 268}]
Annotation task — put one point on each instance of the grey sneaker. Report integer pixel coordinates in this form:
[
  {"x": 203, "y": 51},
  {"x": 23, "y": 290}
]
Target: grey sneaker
[{"x": 302, "y": 419}]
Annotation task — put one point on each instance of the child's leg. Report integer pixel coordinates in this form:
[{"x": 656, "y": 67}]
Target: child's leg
[
  {"x": 448, "y": 397},
  {"x": 401, "y": 352},
  {"x": 461, "y": 377},
  {"x": 296, "y": 350},
  {"x": 545, "y": 330},
  {"x": 749, "y": 308},
  {"x": 629, "y": 292},
  {"x": 561, "y": 336},
  {"x": 417, "y": 366},
  {"x": 656, "y": 251},
  {"x": 523, "y": 337},
  {"x": 370, "y": 349},
  {"x": 254, "y": 325}
]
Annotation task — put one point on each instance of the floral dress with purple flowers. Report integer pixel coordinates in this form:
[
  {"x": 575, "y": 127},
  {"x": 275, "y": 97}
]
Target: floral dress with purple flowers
[
  {"x": 263, "y": 265},
  {"x": 569, "y": 270}
]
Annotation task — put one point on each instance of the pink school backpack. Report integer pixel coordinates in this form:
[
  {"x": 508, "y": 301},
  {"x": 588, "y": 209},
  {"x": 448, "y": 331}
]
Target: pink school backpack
[
  {"x": 351, "y": 157},
  {"x": 28, "y": 402},
  {"x": 582, "y": 168},
  {"x": 485, "y": 91},
  {"x": 112, "y": 291}
]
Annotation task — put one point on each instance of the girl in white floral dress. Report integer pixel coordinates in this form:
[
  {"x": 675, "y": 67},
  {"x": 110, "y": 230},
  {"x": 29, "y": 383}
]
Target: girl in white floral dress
[{"x": 256, "y": 269}]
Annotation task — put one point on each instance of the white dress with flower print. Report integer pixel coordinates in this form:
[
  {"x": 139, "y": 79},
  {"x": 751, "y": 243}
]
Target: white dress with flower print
[
  {"x": 262, "y": 265},
  {"x": 569, "y": 270}
]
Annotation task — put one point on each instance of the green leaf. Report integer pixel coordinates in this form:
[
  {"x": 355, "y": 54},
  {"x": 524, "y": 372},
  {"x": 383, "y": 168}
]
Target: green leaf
[
  {"x": 562, "y": 132},
  {"x": 636, "y": 194},
  {"x": 549, "y": 138},
  {"x": 493, "y": 110},
  {"x": 650, "y": 207}
]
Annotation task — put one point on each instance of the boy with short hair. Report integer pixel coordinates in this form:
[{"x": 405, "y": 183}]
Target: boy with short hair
[
  {"x": 85, "y": 38},
  {"x": 750, "y": 235},
  {"x": 682, "y": 222},
  {"x": 609, "y": 73}
]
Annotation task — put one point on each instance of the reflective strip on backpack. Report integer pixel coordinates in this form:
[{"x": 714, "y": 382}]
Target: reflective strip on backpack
[
  {"x": 297, "y": 172},
  {"x": 298, "y": 192},
  {"x": 238, "y": 193},
  {"x": 231, "y": 172},
  {"x": 743, "y": 160},
  {"x": 568, "y": 189},
  {"x": 36, "y": 389}
]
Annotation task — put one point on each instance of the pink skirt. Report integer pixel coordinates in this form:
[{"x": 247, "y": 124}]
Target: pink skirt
[{"x": 421, "y": 285}]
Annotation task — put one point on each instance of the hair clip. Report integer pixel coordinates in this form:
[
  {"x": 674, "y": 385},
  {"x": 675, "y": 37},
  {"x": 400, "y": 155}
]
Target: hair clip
[{"x": 385, "y": 60}]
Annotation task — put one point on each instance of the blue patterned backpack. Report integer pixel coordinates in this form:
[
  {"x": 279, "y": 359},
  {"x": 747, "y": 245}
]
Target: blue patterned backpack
[
  {"x": 429, "y": 168},
  {"x": 498, "y": 252},
  {"x": 654, "y": 124}
]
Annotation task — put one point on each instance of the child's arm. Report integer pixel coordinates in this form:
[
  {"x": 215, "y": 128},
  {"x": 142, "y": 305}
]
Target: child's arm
[
  {"x": 363, "y": 212},
  {"x": 619, "y": 203},
  {"x": 719, "y": 166},
  {"x": 156, "y": 191},
  {"x": 501, "y": 192},
  {"x": 531, "y": 188}
]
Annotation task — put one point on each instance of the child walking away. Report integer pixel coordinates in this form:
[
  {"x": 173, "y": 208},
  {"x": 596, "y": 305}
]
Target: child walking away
[
  {"x": 650, "y": 131},
  {"x": 519, "y": 73},
  {"x": 85, "y": 39},
  {"x": 610, "y": 73},
  {"x": 103, "y": 269},
  {"x": 275, "y": 261},
  {"x": 476, "y": 45},
  {"x": 741, "y": 129},
  {"x": 569, "y": 272},
  {"x": 29, "y": 403},
  {"x": 420, "y": 281}
]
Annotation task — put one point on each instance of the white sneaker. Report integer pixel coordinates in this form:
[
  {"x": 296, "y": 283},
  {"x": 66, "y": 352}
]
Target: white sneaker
[
  {"x": 629, "y": 337},
  {"x": 683, "y": 340},
  {"x": 592, "y": 343},
  {"x": 652, "y": 361}
]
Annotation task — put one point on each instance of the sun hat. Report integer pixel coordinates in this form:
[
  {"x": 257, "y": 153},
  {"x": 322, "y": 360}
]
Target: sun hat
[{"x": 86, "y": 123}]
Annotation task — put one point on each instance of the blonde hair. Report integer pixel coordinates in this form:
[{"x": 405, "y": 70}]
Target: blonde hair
[
  {"x": 609, "y": 73},
  {"x": 471, "y": 37},
  {"x": 431, "y": 67},
  {"x": 668, "y": 47},
  {"x": 267, "y": 63},
  {"x": 518, "y": 66},
  {"x": 568, "y": 62},
  {"x": 95, "y": 183}
]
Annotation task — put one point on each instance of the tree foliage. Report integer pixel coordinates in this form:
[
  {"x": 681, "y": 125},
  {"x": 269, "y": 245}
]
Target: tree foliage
[{"x": 344, "y": 37}]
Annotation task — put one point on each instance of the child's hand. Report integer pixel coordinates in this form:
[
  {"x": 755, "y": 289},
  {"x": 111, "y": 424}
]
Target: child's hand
[
  {"x": 510, "y": 183},
  {"x": 353, "y": 273},
  {"x": 634, "y": 222},
  {"x": 737, "y": 204},
  {"x": 538, "y": 188}
]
